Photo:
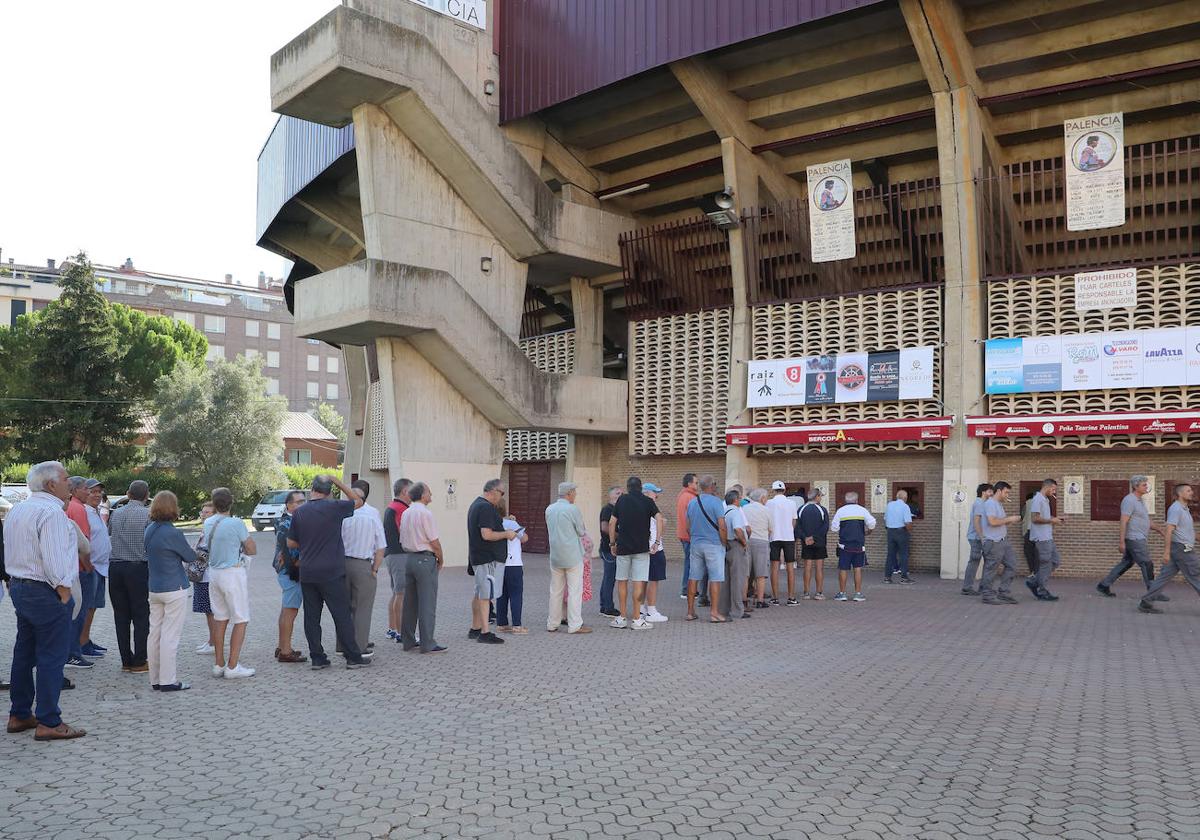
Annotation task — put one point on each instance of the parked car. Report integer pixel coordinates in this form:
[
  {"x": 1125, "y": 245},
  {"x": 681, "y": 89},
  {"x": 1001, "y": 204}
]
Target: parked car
[
  {"x": 270, "y": 508},
  {"x": 14, "y": 492}
]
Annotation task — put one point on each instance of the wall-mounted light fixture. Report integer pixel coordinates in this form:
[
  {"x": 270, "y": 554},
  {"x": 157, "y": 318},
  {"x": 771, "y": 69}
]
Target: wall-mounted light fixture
[
  {"x": 489, "y": 87},
  {"x": 485, "y": 265},
  {"x": 719, "y": 208}
]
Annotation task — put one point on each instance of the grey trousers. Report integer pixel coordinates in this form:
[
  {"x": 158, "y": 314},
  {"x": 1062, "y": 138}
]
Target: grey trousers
[
  {"x": 973, "y": 563},
  {"x": 362, "y": 584},
  {"x": 1048, "y": 560},
  {"x": 1136, "y": 552},
  {"x": 997, "y": 553},
  {"x": 420, "y": 600},
  {"x": 737, "y": 571},
  {"x": 1182, "y": 560}
]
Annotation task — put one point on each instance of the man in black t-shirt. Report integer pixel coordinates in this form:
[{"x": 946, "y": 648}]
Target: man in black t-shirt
[
  {"x": 610, "y": 561},
  {"x": 487, "y": 550},
  {"x": 629, "y": 533}
]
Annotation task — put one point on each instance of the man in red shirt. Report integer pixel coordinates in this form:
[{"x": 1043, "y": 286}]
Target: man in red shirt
[
  {"x": 691, "y": 489},
  {"x": 394, "y": 553}
]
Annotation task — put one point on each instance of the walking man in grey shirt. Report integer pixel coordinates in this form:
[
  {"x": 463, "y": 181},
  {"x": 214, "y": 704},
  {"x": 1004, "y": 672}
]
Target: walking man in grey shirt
[
  {"x": 996, "y": 549},
  {"x": 1041, "y": 534},
  {"x": 975, "y": 538},
  {"x": 1135, "y": 533},
  {"x": 1180, "y": 555}
]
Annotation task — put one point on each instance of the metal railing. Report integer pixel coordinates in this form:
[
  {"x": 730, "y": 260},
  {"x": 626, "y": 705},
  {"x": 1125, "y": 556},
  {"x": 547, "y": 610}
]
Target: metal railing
[
  {"x": 1024, "y": 214},
  {"x": 676, "y": 267}
]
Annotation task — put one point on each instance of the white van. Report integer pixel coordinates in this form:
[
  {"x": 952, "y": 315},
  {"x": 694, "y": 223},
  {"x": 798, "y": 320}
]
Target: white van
[{"x": 270, "y": 508}]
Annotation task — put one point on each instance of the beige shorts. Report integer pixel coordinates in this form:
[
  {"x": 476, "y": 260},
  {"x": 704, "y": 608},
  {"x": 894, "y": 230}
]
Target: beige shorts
[{"x": 229, "y": 595}]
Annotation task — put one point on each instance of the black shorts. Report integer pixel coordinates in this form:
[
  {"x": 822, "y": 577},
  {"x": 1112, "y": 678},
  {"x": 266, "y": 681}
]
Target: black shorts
[
  {"x": 816, "y": 551},
  {"x": 786, "y": 548},
  {"x": 658, "y": 565}
]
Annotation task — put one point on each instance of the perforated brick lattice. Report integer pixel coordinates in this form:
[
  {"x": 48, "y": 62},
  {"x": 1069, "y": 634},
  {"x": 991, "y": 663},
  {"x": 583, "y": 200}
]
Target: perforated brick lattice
[
  {"x": 1168, "y": 296},
  {"x": 553, "y": 353},
  {"x": 680, "y": 383},
  {"x": 378, "y": 454},
  {"x": 854, "y": 323}
]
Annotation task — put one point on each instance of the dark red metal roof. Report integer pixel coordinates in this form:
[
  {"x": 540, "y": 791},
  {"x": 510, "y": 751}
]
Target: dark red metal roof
[{"x": 555, "y": 50}]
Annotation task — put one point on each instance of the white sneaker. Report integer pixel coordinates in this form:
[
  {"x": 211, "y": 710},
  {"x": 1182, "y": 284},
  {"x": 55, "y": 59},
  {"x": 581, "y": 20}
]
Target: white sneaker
[
  {"x": 205, "y": 648},
  {"x": 238, "y": 672},
  {"x": 642, "y": 624},
  {"x": 619, "y": 622},
  {"x": 655, "y": 617},
  {"x": 218, "y": 671}
]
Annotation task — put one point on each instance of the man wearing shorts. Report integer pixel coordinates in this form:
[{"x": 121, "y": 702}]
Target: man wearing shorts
[
  {"x": 851, "y": 523},
  {"x": 487, "y": 551},
  {"x": 629, "y": 534},
  {"x": 758, "y": 519},
  {"x": 394, "y": 557},
  {"x": 783, "y": 542},
  {"x": 658, "y": 559},
  {"x": 289, "y": 581},
  {"x": 812, "y": 528},
  {"x": 227, "y": 540},
  {"x": 706, "y": 530}
]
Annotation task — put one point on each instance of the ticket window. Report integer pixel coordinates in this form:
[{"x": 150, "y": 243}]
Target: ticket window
[
  {"x": 842, "y": 488},
  {"x": 796, "y": 489},
  {"x": 1169, "y": 486},
  {"x": 916, "y": 496},
  {"x": 1027, "y": 487}
]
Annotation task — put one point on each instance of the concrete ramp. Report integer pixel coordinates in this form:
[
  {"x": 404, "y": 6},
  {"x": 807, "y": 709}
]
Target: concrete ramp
[{"x": 359, "y": 302}]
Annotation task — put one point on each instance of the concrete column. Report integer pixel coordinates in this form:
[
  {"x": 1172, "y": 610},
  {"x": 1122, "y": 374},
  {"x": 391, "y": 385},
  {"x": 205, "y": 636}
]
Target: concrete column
[
  {"x": 357, "y": 458},
  {"x": 584, "y": 451},
  {"x": 960, "y": 159},
  {"x": 741, "y": 174}
]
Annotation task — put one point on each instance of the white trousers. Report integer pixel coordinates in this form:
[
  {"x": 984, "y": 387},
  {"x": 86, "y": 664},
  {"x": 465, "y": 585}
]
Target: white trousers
[
  {"x": 167, "y": 613},
  {"x": 572, "y": 579}
]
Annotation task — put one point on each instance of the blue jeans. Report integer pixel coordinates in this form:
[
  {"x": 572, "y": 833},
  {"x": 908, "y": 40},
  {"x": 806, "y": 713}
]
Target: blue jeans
[
  {"x": 43, "y": 642},
  {"x": 87, "y": 596},
  {"x": 687, "y": 566},
  {"x": 897, "y": 552},
  {"x": 514, "y": 590},
  {"x": 608, "y": 581}
]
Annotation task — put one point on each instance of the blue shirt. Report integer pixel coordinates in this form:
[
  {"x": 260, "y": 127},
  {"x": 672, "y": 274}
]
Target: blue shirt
[
  {"x": 992, "y": 508},
  {"x": 976, "y": 510},
  {"x": 699, "y": 528},
  {"x": 166, "y": 552},
  {"x": 224, "y": 535},
  {"x": 897, "y": 514}
]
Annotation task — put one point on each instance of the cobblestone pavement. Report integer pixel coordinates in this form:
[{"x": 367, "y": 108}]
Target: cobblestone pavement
[{"x": 920, "y": 713}]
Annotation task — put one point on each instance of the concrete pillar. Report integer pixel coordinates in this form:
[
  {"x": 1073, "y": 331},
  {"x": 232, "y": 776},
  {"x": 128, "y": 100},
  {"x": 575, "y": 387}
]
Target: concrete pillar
[
  {"x": 964, "y": 463},
  {"x": 584, "y": 451},
  {"x": 741, "y": 174}
]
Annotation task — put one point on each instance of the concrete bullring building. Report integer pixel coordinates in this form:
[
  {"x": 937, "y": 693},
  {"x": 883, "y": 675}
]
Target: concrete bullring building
[{"x": 591, "y": 239}]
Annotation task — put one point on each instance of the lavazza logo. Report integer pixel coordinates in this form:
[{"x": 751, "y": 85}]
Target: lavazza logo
[{"x": 1163, "y": 353}]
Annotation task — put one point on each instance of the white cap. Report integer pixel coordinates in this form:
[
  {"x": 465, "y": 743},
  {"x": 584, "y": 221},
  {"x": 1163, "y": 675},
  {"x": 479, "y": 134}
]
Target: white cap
[{"x": 778, "y": 485}]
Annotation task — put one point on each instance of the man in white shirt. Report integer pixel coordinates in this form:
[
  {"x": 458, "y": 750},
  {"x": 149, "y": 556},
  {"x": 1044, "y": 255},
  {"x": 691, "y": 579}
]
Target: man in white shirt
[
  {"x": 362, "y": 535},
  {"x": 41, "y": 555},
  {"x": 758, "y": 519},
  {"x": 101, "y": 544},
  {"x": 783, "y": 542},
  {"x": 737, "y": 558}
]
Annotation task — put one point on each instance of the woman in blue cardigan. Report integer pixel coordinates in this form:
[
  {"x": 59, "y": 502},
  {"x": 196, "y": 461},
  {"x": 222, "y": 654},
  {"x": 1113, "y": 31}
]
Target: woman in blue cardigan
[{"x": 166, "y": 552}]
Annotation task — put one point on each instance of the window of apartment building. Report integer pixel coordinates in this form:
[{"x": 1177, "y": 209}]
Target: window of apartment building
[
  {"x": 273, "y": 358},
  {"x": 273, "y": 331},
  {"x": 296, "y": 457},
  {"x": 272, "y": 387},
  {"x": 215, "y": 351},
  {"x": 251, "y": 353},
  {"x": 188, "y": 318},
  {"x": 214, "y": 323},
  {"x": 314, "y": 363},
  {"x": 331, "y": 364},
  {"x": 314, "y": 390},
  {"x": 17, "y": 309},
  {"x": 331, "y": 391},
  {"x": 252, "y": 329}
]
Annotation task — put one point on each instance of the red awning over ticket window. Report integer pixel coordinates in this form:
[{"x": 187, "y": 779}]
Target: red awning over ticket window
[
  {"x": 924, "y": 428},
  {"x": 1060, "y": 425}
]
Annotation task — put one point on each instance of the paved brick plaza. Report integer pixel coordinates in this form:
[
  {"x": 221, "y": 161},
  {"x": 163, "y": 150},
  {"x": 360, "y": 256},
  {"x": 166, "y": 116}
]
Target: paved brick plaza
[{"x": 917, "y": 714}]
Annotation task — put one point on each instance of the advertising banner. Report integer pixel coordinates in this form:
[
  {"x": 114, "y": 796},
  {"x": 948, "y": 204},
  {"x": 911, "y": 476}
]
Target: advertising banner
[
  {"x": 885, "y": 376},
  {"x": 1094, "y": 153},
  {"x": 1063, "y": 425},
  {"x": 1132, "y": 359},
  {"x": 831, "y": 211},
  {"x": 1116, "y": 289},
  {"x": 924, "y": 428}
]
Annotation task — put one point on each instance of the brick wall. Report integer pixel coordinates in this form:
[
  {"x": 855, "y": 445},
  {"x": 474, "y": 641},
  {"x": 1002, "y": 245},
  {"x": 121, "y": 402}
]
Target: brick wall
[{"x": 1089, "y": 549}]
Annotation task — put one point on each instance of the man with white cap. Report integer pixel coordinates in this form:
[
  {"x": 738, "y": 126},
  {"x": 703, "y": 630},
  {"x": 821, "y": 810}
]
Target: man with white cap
[{"x": 783, "y": 542}]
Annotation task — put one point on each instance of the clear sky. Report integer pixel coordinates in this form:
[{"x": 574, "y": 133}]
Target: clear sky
[{"x": 132, "y": 129}]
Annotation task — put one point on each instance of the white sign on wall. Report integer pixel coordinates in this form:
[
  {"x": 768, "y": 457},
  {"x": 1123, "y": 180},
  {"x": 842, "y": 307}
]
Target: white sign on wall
[
  {"x": 471, "y": 12},
  {"x": 885, "y": 376},
  {"x": 831, "y": 211},
  {"x": 1094, "y": 152},
  {"x": 879, "y": 495},
  {"x": 1116, "y": 289},
  {"x": 1071, "y": 492}
]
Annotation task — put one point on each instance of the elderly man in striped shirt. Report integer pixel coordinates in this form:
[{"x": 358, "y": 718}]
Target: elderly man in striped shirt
[{"x": 42, "y": 560}]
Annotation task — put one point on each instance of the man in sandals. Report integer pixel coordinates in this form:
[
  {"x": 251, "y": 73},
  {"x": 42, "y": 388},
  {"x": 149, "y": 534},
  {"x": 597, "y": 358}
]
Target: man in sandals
[{"x": 42, "y": 561}]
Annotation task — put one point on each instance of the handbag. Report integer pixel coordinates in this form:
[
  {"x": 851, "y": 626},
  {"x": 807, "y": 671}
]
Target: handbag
[{"x": 197, "y": 567}]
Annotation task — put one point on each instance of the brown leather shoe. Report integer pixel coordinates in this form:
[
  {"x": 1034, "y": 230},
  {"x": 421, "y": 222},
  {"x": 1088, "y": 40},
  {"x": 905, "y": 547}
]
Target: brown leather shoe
[
  {"x": 583, "y": 628},
  {"x": 62, "y": 732},
  {"x": 132, "y": 669},
  {"x": 16, "y": 724},
  {"x": 294, "y": 656}
]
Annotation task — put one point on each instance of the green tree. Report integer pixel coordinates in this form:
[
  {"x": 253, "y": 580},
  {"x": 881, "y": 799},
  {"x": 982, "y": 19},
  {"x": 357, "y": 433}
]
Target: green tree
[
  {"x": 153, "y": 345},
  {"x": 334, "y": 423},
  {"x": 216, "y": 427}
]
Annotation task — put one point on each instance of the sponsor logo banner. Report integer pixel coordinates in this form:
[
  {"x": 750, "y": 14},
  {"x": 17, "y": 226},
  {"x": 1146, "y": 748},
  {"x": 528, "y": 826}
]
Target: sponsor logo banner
[
  {"x": 929, "y": 428},
  {"x": 1170, "y": 422},
  {"x": 885, "y": 376},
  {"x": 831, "y": 211},
  {"x": 1094, "y": 153}
]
